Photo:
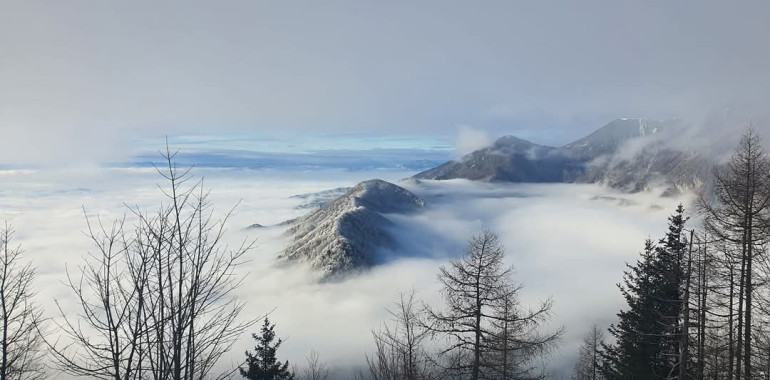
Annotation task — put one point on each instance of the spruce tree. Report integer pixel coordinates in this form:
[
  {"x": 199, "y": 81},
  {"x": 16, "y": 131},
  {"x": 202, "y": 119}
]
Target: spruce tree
[
  {"x": 648, "y": 334},
  {"x": 634, "y": 350},
  {"x": 263, "y": 364},
  {"x": 672, "y": 257}
]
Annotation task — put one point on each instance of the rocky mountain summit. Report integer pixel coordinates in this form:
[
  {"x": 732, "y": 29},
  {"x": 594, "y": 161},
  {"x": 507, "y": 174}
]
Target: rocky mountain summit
[
  {"x": 344, "y": 234},
  {"x": 629, "y": 154}
]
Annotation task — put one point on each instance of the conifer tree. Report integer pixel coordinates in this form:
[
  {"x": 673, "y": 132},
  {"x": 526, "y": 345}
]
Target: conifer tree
[
  {"x": 263, "y": 363},
  {"x": 635, "y": 349},
  {"x": 670, "y": 270},
  {"x": 738, "y": 216},
  {"x": 491, "y": 334},
  {"x": 649, "y": 333}
]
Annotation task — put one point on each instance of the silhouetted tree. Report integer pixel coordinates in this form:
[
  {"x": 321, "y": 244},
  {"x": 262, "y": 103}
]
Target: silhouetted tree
[
  {"x": 739, "y": 216},
  {"x": 156, "y": 297},
  {"x": 21, "y": 346},
  {"x": 517, "y": 345},
  {"x": 486, "y": 327},
  {"x": 314, "y": 369},
  {"x": 588, "y": 366},
  {"x": 400, "y": 345},
  {"x": 649, "y": 334},
  {"x": 263, "y": 363}
]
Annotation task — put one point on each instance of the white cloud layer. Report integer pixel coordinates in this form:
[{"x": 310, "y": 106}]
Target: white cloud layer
[{"x": 566, "y": 241}]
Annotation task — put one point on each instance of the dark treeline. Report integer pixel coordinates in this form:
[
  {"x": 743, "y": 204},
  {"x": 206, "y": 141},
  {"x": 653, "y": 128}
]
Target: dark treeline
[{"x": 697, "y": 299}]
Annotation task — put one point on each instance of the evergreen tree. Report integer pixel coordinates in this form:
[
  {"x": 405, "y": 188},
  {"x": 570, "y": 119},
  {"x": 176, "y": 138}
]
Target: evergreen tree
[
  {"x": 648, "y": 335},
  {"x": 633, "y": 352},
  {"x": 670, "y": 270},
  {"x": 263, "y": 364}
]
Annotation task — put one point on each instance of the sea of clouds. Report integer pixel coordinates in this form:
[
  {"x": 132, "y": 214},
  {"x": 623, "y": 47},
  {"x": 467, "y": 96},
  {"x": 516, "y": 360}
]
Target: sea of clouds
[{"x": 566, "y": 241}]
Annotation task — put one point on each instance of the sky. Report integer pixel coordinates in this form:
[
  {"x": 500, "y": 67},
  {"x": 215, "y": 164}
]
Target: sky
[
  {"x": 80, "y": 78},
  {"x": 332, "y": 93}
]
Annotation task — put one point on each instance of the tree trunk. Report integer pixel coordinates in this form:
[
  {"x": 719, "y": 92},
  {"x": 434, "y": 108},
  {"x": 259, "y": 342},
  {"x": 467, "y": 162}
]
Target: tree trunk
[
  {"x": 747, "y": 325},
  {"x": 684, "y": 357},
  {"x": 731, "y": 326},
  {"x": 477, "y": 345},
  {"x": 739, "y": 340},
  {"x": 4, "y": 343}
]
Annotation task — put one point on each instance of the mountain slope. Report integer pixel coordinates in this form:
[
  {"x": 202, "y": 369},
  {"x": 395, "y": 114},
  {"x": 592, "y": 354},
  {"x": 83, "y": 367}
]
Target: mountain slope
[
  {"x": 599, "y": 157},
  {"x": 509, "y": 159},
  {"x": 676, "y": 171},
  {"x": 344, "y": 234},
  {"x": 609, "y": 138}
]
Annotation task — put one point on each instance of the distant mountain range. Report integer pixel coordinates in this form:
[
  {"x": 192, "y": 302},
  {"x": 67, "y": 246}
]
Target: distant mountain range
[{"x": 629, "y": 154}]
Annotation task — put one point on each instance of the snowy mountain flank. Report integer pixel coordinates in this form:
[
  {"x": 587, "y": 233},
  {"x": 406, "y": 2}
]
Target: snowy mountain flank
[
  {"x": 344, "y": 234},
  {"x": 629, "y": 154}
]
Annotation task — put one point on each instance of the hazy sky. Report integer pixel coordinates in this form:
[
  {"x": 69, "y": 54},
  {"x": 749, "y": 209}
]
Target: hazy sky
[{"x": 78, "y": 77}]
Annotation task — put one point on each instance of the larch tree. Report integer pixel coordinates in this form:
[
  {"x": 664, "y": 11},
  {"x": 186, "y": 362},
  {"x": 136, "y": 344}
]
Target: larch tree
[
  {"x": 518, "y": 343},
  {"x": 738, "y": 214},
  {"x": 315, "y": 369},
  {"x": 401, "y": 345},
  {"x": 476, "y": 288},
  {"x": 21, "y": 346},
  {"x": 588, "y": 365}
]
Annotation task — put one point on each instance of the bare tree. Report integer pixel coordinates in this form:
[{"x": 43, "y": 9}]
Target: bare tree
[
  {"x": 21, "y": 346},
  {"x": 400, "y": 345},
  {"x": 738, "y": 216},
  {"x": 482, "y": 318},
  {"x": 314, "y": 369},
  {"x": 517, "y": 345},
  {"x": 589, "y": 361},
  {"x": 383, "y": 364},
  {"x": 156, "y": 297},
  {"x": 701, "y": 293}
]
